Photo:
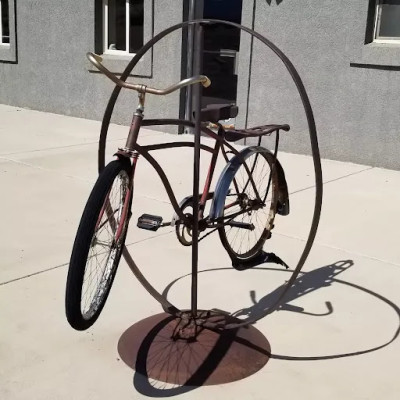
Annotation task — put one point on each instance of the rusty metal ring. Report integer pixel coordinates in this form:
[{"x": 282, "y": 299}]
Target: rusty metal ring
[{"x": 167, "y": 306}]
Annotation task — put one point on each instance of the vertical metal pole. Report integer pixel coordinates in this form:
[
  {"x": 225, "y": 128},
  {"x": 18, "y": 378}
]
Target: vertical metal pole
[
  {"x": 197, "y": 91},
  {"x": 189, "y": 66},
  {"x": 1, "y": 27}
]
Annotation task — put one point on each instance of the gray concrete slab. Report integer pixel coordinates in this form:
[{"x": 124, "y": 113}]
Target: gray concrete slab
[
  {"x": 24, "y": 130},
  {"x": 354, "y": 267},
  {"x": 360, "y": 212},
  {"x": 42, "y": 344}
]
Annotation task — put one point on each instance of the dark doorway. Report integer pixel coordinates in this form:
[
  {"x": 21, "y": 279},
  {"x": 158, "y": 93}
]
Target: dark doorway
[{"x": 221, "y": 47}]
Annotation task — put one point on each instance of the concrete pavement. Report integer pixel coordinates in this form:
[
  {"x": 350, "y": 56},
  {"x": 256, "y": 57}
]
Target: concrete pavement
[{"x": 48, "y": 165}]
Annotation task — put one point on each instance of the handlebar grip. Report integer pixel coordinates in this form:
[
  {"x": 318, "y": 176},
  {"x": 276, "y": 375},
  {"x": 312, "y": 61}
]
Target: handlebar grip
[
  {"x": 96, "y": 60},
  {"x": 96, "y": 57},
  {"x": 207, "y": 82}
]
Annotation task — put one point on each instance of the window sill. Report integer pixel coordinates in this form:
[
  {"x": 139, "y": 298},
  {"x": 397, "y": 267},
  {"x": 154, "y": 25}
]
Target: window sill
[
  {"x": 8, "y": 54},
  {"x": 117, "y": 63},
  {"x": 8, "y": 51},
  {"x": 380, "y": 54}
]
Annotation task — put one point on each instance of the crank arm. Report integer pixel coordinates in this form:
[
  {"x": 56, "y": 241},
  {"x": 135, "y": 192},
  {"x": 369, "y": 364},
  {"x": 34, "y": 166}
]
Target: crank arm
[{"x": 242, "y": 225}]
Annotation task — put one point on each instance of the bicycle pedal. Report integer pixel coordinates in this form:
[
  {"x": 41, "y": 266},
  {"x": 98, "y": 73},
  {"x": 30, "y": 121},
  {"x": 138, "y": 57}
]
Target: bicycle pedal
[{"x": 149, "y": 222}]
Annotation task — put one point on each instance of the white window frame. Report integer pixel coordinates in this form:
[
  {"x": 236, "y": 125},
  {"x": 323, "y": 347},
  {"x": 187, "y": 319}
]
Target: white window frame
[
  {"x": 377, "y": 22},
  {"x": 106, "y": 50},
  {"x": 1, "y": 28}
]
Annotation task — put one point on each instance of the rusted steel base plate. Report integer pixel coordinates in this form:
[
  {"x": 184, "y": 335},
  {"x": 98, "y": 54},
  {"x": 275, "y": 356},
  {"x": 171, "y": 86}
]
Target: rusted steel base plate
[{"x": 164, "y": 349}]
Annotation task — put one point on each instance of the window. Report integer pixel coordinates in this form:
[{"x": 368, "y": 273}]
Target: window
[
  {"x": 121, "y": 29},
  {"x": 122, "y": 26},
  {"x": 387, "y": 21},
  {"x": 4, "y": 23},
  {"x": 8, "y": 34}
]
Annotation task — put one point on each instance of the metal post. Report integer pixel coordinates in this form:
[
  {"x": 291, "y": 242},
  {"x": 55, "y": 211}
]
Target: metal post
[
  {"x": 189, "y": 65},
  {"x": 195, "y": 12},
  {"x": 197, "y": 91}
]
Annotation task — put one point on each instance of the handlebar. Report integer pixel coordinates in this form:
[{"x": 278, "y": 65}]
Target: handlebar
[{"x": 96, "y": 60}]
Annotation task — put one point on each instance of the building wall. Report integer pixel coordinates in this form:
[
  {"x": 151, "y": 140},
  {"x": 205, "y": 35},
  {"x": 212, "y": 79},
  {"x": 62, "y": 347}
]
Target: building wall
[
  {"x": 52, "y": 73},
  {"x": 353, "y": 87}
]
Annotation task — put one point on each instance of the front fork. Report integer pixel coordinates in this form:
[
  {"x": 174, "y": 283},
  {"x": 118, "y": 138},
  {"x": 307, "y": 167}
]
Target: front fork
[
  {"x": 125, "y": 215},
  {"x": 128, "y": 153}
]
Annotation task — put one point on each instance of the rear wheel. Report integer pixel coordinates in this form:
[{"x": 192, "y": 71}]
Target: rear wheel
[
  {"x": 250, "y": 203},
  {"x": 98, "y": 245}
]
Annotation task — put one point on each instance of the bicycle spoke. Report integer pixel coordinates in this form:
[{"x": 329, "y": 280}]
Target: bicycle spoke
[
  {"x": 249, "y": 203},
  {"x": 103, "y": 250}
]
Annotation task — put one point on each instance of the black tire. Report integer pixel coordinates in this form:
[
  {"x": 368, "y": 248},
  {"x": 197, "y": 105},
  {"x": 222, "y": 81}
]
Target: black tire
[
  {"x": 260, "y": 163},
  {"x": 98, "y": 221}
]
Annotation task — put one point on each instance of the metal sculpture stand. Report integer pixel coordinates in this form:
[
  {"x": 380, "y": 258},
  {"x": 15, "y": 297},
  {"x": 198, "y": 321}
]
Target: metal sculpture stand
[
  {"x": 244, "y": 349},
  {"x": 209, "y": 358}
]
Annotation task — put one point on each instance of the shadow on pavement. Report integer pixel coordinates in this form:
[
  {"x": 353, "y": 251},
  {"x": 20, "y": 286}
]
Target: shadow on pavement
[
  {"x": 306, "y": 283},
  {"x": 166, "y": 367}
]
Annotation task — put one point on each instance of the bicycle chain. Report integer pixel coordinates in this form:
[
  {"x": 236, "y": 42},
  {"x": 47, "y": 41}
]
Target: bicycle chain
[{"x": 207, "y": 234}]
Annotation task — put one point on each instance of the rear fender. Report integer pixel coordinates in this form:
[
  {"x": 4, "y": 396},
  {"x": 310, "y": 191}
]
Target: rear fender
[
  {"x": 226, "y": 177},
  {"x": 283, "y": 207}
]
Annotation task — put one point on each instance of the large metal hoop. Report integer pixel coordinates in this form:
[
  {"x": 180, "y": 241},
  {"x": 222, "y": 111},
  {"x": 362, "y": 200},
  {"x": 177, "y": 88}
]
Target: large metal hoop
[{"x": 313, "y": 141}]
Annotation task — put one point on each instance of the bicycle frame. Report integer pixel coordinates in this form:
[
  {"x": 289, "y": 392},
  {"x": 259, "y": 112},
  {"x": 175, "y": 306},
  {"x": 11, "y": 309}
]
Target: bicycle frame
[
  {"x": 132, "y": 150},
  {"x": 128, "y": 157}
]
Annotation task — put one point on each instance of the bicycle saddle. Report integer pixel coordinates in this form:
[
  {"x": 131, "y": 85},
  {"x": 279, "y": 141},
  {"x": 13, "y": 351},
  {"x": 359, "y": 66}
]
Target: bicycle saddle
[{"x": 216, "y": 112}]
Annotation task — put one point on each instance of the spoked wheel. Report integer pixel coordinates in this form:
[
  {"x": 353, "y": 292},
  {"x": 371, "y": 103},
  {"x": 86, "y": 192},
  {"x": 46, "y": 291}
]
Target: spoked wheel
[
  {"x": 249, "y": 207},
  {"x": 98, "y": 245}
]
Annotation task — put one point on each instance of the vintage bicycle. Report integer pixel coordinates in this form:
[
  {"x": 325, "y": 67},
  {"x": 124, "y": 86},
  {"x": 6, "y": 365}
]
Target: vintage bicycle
[{"x": 248, "y": 194}]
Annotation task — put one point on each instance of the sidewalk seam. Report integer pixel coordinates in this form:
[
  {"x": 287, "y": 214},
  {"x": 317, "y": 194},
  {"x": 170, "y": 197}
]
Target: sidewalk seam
[
  {"x": 333, "y": 180},
  {"x": 164, "y": 201},
  {"x": 46, "y": 169},
  {"x": 65, "y": 264},
  {"x": 72, "y": 145},
  {"x": 340, "y": 249}
]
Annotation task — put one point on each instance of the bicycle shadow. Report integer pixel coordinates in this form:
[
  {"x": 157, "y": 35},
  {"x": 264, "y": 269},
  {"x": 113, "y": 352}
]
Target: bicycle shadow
[
  {"x": 168, "y": 357},
  {"x": 277, "y": 2},
  {"x": 166, "y": 367},
  {"x": 306, "y": 283}
]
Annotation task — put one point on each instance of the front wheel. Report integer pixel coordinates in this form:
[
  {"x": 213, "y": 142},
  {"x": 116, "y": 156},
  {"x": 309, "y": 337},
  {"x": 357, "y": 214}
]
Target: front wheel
[
  {"x": 98, "y": 245},
  {"x": 249, "y": 203}
]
